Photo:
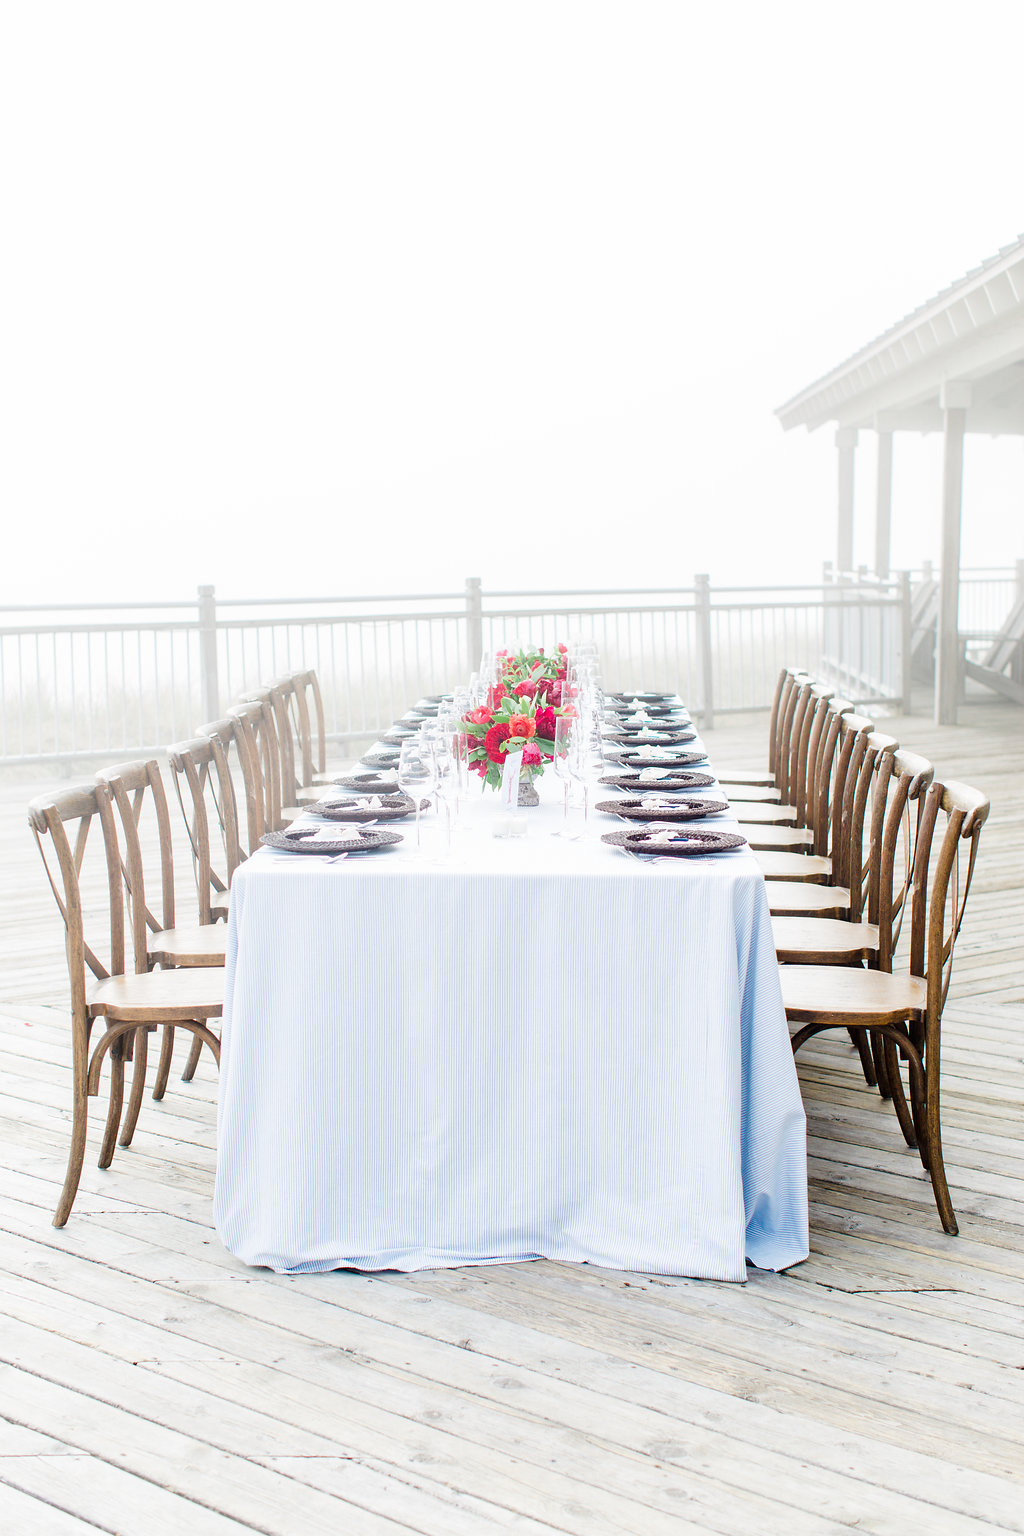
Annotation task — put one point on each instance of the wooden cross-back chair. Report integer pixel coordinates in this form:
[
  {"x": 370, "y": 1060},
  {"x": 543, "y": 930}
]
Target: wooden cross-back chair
[
  {"x": 763, "y": 825},
  {"x": 127, "y": 1003},
  {"x": 237, "y": 742},
  {"x": 201, "y": 773},
  {"x": 298, "y": 711},
  {"x": 157, "y": 939},
  {"x": 842, "y": 742},
  {"x": 756, "y": 784},
  {"x": 256, "y": 734},
  {"x": 902, "y": 1014}
]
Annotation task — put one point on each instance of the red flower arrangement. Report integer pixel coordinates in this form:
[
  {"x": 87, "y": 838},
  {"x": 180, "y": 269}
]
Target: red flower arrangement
[{"x": 520, "y": 715}]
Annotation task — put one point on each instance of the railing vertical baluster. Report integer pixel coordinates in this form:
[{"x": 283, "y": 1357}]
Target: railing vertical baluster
[
  {"x": 703, "y": 586},
  {"x": 210, "y": 695},
  {"x": 474, "y": 623}
]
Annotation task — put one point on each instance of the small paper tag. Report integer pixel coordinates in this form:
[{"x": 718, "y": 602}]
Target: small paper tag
[{"x": 510, "y": 780}]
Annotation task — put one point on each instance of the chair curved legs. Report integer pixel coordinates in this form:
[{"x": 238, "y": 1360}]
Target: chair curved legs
[
  {"x": 140, "y": 1056},
  {"x": 193, "y": 1059},
  {"x": 163, "y": 1070},
  {"x": 919, "y": 1121}
]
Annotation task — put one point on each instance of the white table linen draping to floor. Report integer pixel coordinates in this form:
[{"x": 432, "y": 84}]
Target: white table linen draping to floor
[{"x": 540, "y": 1049}]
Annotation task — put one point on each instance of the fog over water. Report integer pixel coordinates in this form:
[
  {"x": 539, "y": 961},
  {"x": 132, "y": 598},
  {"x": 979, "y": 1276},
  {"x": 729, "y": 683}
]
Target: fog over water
[{"x": 353, "y": 297}]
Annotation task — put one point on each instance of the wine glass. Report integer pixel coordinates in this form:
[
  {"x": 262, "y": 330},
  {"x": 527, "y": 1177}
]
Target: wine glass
[
  {"x": 564, "y": 747},
  {"x": 417, "y": 774}
]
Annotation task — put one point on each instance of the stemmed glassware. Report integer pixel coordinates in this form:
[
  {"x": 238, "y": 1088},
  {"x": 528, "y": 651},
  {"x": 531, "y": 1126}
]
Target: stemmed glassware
[
  {"x": 417, "y": 773},
  {"x": 565, "y": 730}
]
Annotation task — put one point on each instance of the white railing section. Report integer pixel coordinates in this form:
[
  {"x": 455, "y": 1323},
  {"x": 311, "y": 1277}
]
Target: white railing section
[{"x": 91, "y": 681}]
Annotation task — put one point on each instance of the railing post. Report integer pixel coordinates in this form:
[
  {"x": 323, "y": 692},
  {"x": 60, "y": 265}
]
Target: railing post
[
  {"x": 209, "y": 684},
  {"x": 702, "y": 584},
  {"x": 906, "y": 639},
  {"x": 474, "y": 624},
  {"x": 1017, "y": 664}
]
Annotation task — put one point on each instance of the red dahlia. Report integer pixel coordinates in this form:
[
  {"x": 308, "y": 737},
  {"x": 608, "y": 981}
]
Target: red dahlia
[{"x": 494, "y": 742}]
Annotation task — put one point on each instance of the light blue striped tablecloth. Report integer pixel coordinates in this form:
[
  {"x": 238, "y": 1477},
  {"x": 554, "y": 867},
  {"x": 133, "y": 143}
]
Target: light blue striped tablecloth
[{"x": 539, "y": 1049}]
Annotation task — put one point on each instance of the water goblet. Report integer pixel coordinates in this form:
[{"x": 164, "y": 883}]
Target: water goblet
[{"x": 417, "y": 774}]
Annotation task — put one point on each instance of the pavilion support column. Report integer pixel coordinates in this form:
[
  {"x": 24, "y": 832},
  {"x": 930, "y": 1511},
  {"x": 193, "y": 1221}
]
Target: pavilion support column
[
  {"x": 883, "y": 506},
  {"x": 846, "y": 442},
  {"x": 954, "y": 400}
]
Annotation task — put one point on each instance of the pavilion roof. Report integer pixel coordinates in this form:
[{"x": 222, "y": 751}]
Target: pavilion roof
[{"x": 973, "y": 332}]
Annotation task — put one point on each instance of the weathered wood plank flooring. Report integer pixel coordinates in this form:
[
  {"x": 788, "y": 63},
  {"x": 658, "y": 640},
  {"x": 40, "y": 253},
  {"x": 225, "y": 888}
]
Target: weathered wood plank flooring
[{"x": 149, "y": 1383}]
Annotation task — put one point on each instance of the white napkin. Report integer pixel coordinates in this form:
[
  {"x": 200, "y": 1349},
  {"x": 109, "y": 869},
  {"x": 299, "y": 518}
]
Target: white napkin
[
  {"x": 322, "y": 835},
  {"x": 653, "y": 775},
  {"x": 652, "y": 803},
  {"x": 641, "y": 717},
  {"x": 663, "y": 835}
]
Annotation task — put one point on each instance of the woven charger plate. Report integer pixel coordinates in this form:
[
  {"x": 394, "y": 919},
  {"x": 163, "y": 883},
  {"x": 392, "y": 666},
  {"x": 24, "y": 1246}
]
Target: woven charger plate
[
  {"x": 644, "y": 695},
  {"x": 396, "y": 736},
  {"x": 678, "y": 782},
  {"x": 381, "y": 759},
  {"x": 392, "y": 808},
  {"x": 369, "y": 783},
  {"x": 630, "y": 760},
  {"x": 692, "y": 840},
  {"x": 681, "y": 810},
  {"x": 654, "y": 738},
  {"x": 620, "y": 707},
  {"x": 300, "y": 841}
]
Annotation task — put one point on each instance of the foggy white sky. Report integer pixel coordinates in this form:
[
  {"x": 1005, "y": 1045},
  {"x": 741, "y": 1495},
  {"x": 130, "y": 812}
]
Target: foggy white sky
[{"x": 362, "y": 297}]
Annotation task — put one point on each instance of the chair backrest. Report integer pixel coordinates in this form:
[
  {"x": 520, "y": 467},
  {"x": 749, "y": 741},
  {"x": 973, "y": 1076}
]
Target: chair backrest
[
  {"x": 827, "y": 772},
  {"x": 807, "y": 750},
  {"x": 256, "y": 727},
  {"x": 789, "y": 764},
  {"x": 941, "y": 888},
  {"x": 61, "y": 823},
  {"x": 864, "y": 801},
  {"x": 305, "y": 702},
  {"x": 778, "y": 759},
  {"x": 129, "y": 788},
  {"x": 202, "y": 781},
  {"x": 896, "y": 817},
  {"x": 237, "y": 740},
  {"x": 276, "y": 700}
]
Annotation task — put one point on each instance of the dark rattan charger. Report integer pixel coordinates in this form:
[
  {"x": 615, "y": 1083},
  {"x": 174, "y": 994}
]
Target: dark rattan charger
[
  {"x": 681, "y": 810},
  {"x": 392, "y": 808},
  {"x": 369, "y": 783},
  {"x": 367, "y": 840},
  {"x": 697, "y": 841}
]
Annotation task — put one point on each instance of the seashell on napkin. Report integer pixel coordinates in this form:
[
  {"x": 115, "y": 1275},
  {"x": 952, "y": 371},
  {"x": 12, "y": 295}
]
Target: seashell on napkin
[
  {"x": 653, "y": 775},
  {"x": 653, "y": 803}
]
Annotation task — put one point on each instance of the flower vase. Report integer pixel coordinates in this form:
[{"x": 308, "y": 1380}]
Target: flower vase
[{"x": 527, "y": 792}]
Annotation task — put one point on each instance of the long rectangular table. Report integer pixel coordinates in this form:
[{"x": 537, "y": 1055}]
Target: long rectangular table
[{"x": 542, "y": 1048}]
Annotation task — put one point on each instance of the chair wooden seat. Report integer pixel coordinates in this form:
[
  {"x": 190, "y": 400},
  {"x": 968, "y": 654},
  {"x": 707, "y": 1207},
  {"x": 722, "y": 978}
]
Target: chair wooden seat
[
  {"x": 202, "y": 945},
  {"x": 766, "y": 813},
  {"x": 736, "y": 789},
  {"x": 751, "y": 780},
  {"x": 791, "y": 839},
  {"x": 827, "y": 994},
  {"x": 796, "y": 898},
  {"x": 159, "y": 997},
  {"x": 823, "y": 940},
  {"x": 815, "y": 868}
]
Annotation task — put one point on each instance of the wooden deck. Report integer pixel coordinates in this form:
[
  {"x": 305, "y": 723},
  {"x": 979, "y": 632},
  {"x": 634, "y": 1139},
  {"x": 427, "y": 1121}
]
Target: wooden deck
[{"x": 151, "y": 1384}]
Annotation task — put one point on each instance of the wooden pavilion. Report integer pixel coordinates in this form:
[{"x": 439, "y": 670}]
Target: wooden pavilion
[{"x": 955, "y": 365}]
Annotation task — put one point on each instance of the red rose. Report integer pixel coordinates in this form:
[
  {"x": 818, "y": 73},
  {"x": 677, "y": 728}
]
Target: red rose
[
  {"x": 494, "y": 742},
  {"x": 481, "y": 716},
  {"x": 525, "y": 690},
  {"x": 545, "y": 719},
  {"x": 531, "y": 755},
  {"x": 563, "y": 648}
]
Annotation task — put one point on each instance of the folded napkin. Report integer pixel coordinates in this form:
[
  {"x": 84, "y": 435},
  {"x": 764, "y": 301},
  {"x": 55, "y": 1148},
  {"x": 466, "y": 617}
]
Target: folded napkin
[
  {"x": 662, "y": 835},
  {"x": 321, "y": 835},
  {"x": 652, "y": 803},
  {"x": 653, "y": 775},
  {"x": 665, "y": 754}
]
